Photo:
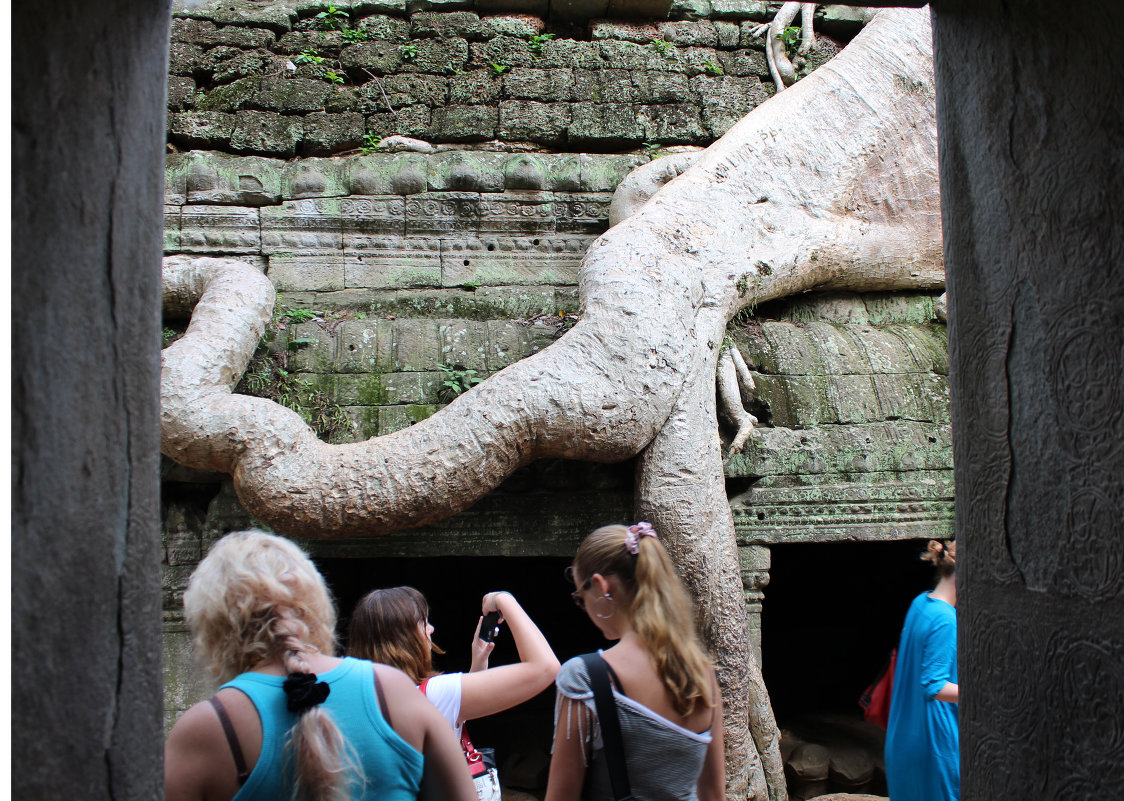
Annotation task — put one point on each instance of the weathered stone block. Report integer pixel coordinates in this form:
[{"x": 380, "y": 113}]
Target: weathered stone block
[
  {"x": 517, "y": 212},
  {"x": 442, "y": 212},
  {"x": 740, "y": 9},
  {"x": 690, "y": 9},
  {"x": 396, "y": 7},
  {"x": 306, "y": 226},
  {"x": 184, "y": 59},
  {"x": 507, "y": 344},
  {"x": 313, "y": 177},
  {"x": 506, "y": 261},
  {"x": 386, "y": 28},
  {"x": 506, "y": 51},
  {"x": 548, "y": 86},
  {"x": 376, "y": 174},
  {"x": 453, "y": 25},
  {"x": 687, "y": 33},
  {"x": 216, "y": 178},
  {"x": 289, "y": 95},
  {"x": 409, "y": 121},
  {"x": 479, "y": 87},
  {"x": 265, "y": 133},
  {"x": 660, "y": 87},
  {"x": 523, "y": 121},
  {"x": 366, "y": 346},
  {"x": 206, "y": 34},
  {"x": 366, "y": 218},
  {"x": 526, "y": 171},
  {"x": 604, "y": 86},
  {"x": 536, "y": 8},
  {"x": 580, "y": 10},
  {"x": 461, "y": 171},
  {"x": 605, "y": 123},
  {"x": 219, "y": 229},
  {"x": 320, "y": 42},
  {"x": 518, "y": 301},
  {"x": 331, "y": 133},
  {"x": 437, "y": 56},
  {"x": 565, "y": 174},
  {"x": 517, "y": 25},
  {"x": 464, "y": 343},
  {"x": 632, "y": 56},
  {"x": 586, "y": 213},
  {"x": 417, "y": 344},
  {"x": 729, "y": 34},
  {"x": 342, "y": 99},
  {"x": 232, "y": 97},
  {"x": 275, "y": 16},
  {"x": 404, "y": 90},
  {"x": 181, "y": 92},
  {"x": 401, "y": 388},
  {"x": 241, "y": 65},
  {"x": 726, "y": 99},
  {"x": 392, "y": 263},
  {"x": 743, "y": 62},
  {"x": 201, "y": 129},
  {"x": 306, "y": 272},
  {"x": 602, "y": 173},
  {"x": 640, "y": 32},
  {"x": 171, "y": 228},
  {"x": 463, "y": 124},
  {"x": 380, "y": 57}
]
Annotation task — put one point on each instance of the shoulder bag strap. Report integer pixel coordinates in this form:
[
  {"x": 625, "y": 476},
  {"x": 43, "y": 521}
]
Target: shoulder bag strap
[
  {"x": 231, "y": 740},
  {"x": 598, "y": 670}
]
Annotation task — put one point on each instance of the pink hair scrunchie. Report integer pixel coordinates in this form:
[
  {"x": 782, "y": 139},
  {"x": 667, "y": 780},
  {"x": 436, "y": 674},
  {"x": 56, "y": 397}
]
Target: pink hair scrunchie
[{"x": 635, "y": 532}]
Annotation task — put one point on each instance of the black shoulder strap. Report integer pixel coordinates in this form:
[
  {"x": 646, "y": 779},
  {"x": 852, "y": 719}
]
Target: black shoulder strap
[
  {"x": 231, "y": 740},
  {"x": 598, "y": 670}
]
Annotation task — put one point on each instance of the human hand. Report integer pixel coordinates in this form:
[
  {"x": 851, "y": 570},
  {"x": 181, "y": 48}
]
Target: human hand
[
  {"x": 491, "y": 602},
  {"x": 481, "y": 650}
]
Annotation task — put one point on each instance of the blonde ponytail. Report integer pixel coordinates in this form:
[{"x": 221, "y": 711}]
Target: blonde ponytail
[{"x": 660, "y": 609}]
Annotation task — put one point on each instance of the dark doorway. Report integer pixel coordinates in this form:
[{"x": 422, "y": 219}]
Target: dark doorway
[
  {"x": 832, "y": 613},
  {"x": 454, "y": 587}
]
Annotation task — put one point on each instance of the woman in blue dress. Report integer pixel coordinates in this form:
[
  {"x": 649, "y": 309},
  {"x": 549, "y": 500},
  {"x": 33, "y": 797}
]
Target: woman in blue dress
[{"x": 922, "y": 739}]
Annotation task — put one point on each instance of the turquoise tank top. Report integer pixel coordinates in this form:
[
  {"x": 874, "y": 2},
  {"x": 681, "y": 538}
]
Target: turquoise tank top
[{"x": 392, "y": 767}]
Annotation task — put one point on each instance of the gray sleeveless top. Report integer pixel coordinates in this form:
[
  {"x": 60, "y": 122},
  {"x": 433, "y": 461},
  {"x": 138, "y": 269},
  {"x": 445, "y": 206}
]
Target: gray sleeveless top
[{"x": 664, "y": 759}]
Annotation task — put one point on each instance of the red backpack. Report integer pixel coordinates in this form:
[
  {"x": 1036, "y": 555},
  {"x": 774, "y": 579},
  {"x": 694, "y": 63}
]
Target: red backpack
[{"x": 875, "y": 699}]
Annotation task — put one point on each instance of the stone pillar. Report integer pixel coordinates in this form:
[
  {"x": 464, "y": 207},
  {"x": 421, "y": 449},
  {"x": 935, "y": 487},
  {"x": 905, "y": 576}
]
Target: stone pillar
[
  {"x": 88, "y": 96},
  {"x": 1031, "y": 119},
  {"x": 753, "y": 563}
]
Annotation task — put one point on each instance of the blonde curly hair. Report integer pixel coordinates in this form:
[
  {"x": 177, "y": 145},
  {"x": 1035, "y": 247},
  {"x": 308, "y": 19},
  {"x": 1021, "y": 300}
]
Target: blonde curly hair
[{"x": 257, "y": 596}]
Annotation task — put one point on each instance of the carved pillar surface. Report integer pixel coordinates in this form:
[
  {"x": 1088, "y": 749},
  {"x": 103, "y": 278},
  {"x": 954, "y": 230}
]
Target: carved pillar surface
[
  {"x": 1031, "y": 122},
  {"x": 88, "y": 94},
  {"x": 753, "y": 562}
]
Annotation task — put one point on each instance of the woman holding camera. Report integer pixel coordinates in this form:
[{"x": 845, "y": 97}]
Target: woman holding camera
[
  {"x": 392, "y": 626},
  {"x": 292, "y": 720},
  {"x": 664, "y": 694}
]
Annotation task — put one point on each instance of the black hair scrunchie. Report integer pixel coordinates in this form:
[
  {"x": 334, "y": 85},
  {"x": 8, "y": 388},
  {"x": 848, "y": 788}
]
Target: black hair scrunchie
[{"x": 302, "y": 692}]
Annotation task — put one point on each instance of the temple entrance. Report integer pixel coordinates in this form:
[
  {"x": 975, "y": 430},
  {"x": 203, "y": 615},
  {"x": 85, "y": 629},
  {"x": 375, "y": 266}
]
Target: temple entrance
[
  {"x": 454, "y": 587},
  {"x": 832, "y": 613}
]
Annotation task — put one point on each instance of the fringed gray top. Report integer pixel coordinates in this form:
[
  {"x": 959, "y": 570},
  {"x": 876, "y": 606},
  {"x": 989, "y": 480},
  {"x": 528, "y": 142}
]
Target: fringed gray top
[{"x": 664, "y": 760}]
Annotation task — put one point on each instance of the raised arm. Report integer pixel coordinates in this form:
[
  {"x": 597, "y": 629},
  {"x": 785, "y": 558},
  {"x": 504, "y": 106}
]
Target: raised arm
[
  {"x": 487, "y": 692},
  {"x": 445, "y": 775}
]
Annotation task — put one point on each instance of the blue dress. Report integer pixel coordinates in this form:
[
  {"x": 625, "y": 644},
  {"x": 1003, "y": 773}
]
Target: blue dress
[{"x": 922, "y": 739}]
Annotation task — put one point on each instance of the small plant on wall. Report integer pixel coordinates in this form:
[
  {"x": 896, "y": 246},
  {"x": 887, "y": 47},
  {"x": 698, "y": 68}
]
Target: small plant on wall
[
  {"x": 333, "y": 19},
  {"x": 458, "y": 381}
]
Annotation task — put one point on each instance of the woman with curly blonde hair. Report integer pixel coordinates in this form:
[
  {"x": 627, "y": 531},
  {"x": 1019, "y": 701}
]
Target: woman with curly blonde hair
[
  {"x": 665, "y": 696},
  {"x": 291, "y": 719}
]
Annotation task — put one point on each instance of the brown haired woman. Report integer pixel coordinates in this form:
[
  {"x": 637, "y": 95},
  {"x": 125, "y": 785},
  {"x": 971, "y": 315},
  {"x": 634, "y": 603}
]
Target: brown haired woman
[
  {"x": 392, "y": 626},
  {"x": 293, "y": 721},
  {"x": 665, "y": 692}
]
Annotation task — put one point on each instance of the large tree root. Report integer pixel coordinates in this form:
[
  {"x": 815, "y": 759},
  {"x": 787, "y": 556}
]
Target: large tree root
[{"x": 831, "y": 184}]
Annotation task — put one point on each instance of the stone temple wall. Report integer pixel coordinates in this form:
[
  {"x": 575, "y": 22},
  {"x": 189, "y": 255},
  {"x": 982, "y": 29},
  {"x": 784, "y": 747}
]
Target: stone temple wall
[
  {"x": 294, "y": 79},
  {"x": 400, "y": 273}
]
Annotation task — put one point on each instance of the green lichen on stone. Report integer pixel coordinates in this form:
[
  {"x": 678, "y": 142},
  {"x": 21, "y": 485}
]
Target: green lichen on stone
[
  {"x": 417, "y": 412},
  {"x": 370, "y": 391}
]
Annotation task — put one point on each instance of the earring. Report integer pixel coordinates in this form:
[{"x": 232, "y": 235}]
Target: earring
[{"x": 612, "y": 602}]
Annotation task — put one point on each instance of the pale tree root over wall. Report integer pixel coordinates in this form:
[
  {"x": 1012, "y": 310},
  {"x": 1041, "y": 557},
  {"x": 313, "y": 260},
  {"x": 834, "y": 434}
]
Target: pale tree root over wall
[{"x": 831, "y": 184}]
